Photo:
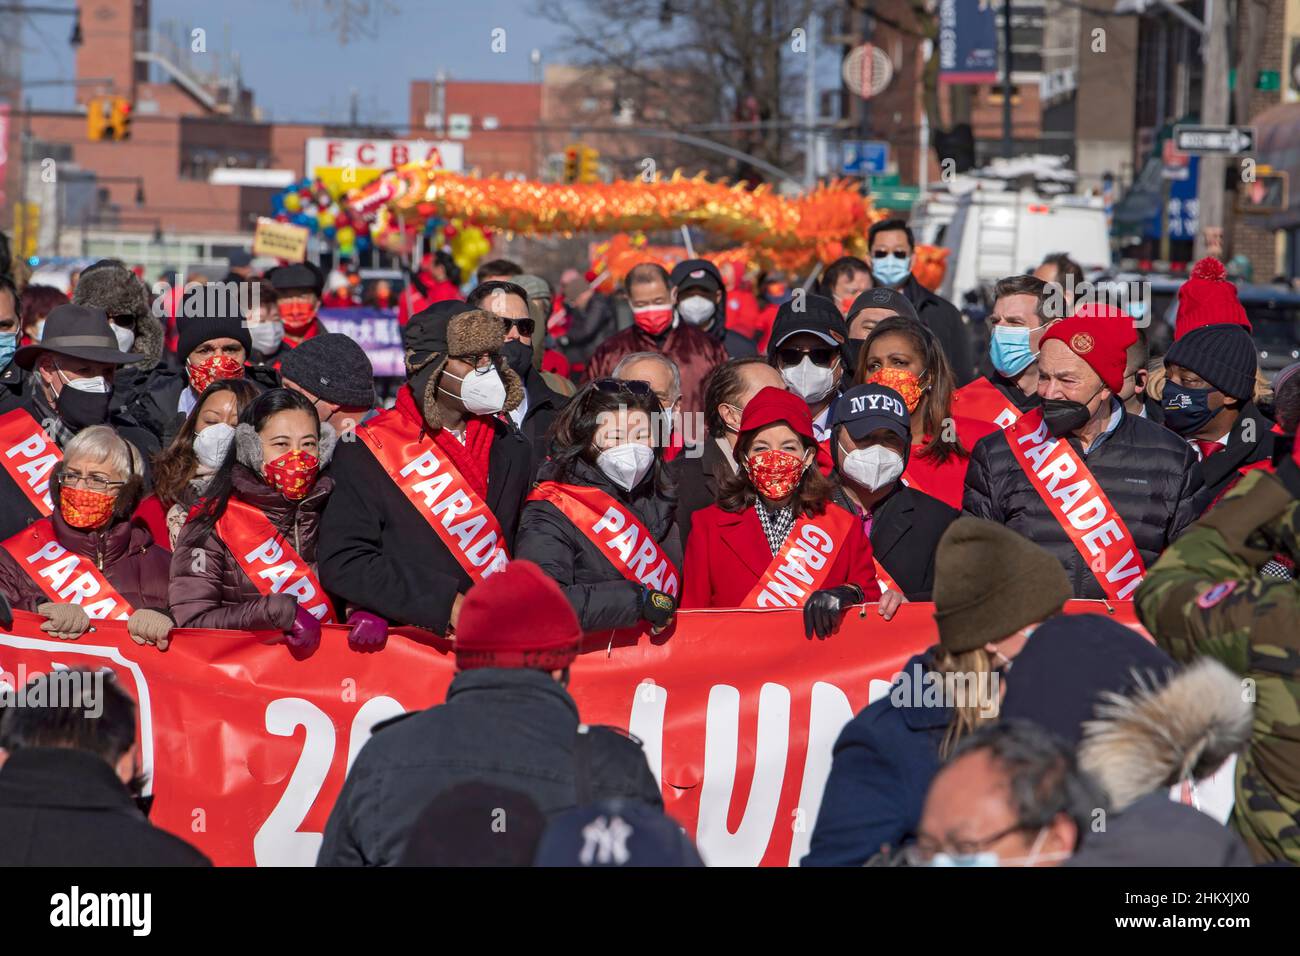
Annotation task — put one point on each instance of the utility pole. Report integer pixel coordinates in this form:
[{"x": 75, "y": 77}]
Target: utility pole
[
  {"x": 1007, "y": 88},
  {"x": 1214, "y": 112},
  {"x": 810, "y": 103}
]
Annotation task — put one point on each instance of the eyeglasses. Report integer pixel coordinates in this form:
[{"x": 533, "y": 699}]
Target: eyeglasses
[
  {"x": 526, "y": 327},
  {"x": 792, "y": 356},
  {"x": 617, "y": 386},
  {"x": 89, "y": 482},
  {"x": 885, "y": 253},
  {"x": 922, "y": 850}
]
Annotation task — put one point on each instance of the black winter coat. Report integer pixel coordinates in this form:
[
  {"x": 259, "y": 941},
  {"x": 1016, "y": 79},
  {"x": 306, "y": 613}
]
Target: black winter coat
[
  {"x": 65, "y": 807},
  {"x": 698, "y": 478},
  {"x": 378, "y": 552},
  {"x": 156, "y": 403},
  {"x": 602, "y": 597},
  {"x": 514, "y": 728},
  {"x": 14, "y": 387},
  {"x": 1149, "y": 474},
  {"x": 945, "y": 321},
  {"x": 905, "y": 532},
  {"x": 544, "y": 405}
]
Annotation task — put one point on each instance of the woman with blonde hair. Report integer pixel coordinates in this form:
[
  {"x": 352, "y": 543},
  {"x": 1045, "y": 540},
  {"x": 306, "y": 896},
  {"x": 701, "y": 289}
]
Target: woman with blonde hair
[{"x": 992, "y": 589}]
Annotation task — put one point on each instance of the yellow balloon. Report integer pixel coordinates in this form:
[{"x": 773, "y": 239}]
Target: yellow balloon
[
  {"x": 293, "y": 202},
  {"x": 346, "y": 236},
  {"x": 326, "y": 218}
]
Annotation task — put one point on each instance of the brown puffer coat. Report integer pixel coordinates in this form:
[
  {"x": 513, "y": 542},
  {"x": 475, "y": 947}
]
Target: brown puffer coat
[
  {"x": 125, "y": 552},
  {"x": 208, "y": 587}
]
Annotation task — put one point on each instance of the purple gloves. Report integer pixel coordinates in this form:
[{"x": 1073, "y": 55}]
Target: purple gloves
[
  {"x": 303, "y": 636},
  {"x": 369, "y": 632}
]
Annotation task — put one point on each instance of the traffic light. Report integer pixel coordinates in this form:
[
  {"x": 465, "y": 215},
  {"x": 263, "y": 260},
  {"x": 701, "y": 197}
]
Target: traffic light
[
  {"x": 121, "y": 118},
  {"x": 99, "y": 116},
  {"x": 1267, "y": 192},
  {"x": 588, "y": 165},
  {"x": 571, "y": 153}
]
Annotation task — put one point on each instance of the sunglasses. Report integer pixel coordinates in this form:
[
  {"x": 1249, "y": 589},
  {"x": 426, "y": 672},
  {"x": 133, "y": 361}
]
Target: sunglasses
[
  {"x": 885, "y": 253},
  {"x": 526, "y": 327},
  {"x": 617, "y": 386},
  {"x": 791, "y": 356}
]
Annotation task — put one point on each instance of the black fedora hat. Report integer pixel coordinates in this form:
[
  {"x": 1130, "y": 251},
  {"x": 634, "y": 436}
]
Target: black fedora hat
[{"x": 78, "y": 332}]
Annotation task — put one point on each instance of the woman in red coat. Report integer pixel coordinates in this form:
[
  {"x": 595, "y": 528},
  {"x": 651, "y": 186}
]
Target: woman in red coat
[
  {"x": 902, "y": 354},
  {"x": 775, "y": 539}
]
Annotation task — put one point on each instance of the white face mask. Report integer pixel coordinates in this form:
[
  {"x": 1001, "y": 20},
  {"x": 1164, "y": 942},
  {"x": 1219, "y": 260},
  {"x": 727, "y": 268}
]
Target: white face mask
[
  {"x": 808, "y": 380},
  {"x": 266, "y": 335},
  {"x": 482, "y": 393},
  {"x": 696, "y": 310},
  {"x": 211, "y": 444},
  {"x": 95, "y": 386},
  {"x": 872, "y": 467},
  {"x": 39, "y": 331},
  {"x": 626, "y": 465},
  {"x": 125, "y": 337}
]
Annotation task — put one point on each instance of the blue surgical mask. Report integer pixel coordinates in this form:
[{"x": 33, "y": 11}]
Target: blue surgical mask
[
  {"x": 1187, "y": 410},
  {"x": 8, "y": 345},
  {"x": 1009, "y": 349},
  {"x": 987, "y": 858},
  {"x": 891, "y": 270}
]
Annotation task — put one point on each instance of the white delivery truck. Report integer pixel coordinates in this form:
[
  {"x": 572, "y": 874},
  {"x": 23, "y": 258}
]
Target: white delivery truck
[{"x": 993, "y": 233}]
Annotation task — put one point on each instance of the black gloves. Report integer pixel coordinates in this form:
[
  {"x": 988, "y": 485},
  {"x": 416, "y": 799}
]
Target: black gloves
[
  {"x": 657, "y": 607},
  {"x": 821, "y": 614}
]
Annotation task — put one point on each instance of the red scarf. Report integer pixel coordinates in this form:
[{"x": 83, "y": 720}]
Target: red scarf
[{"x": 471, "y": 458}]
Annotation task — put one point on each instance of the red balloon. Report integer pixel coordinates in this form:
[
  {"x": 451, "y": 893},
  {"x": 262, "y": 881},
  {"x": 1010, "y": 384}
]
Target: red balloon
[{"x": 449, "y": 230}]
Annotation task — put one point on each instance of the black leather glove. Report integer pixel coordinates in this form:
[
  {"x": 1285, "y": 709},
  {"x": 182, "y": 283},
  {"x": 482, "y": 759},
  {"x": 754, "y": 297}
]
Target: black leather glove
[
  {"x": 821, "y": 613},
  {"x": 657, "y": 607}
]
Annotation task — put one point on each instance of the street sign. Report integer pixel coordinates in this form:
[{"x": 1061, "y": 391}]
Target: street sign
[
  {"x": 863, "y": 157},
  {"x": 1228, "y": 140}
]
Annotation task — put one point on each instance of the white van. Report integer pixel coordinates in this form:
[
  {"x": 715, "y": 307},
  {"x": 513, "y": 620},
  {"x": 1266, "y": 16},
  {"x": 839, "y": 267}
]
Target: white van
[{"x": 992, "y": 234}]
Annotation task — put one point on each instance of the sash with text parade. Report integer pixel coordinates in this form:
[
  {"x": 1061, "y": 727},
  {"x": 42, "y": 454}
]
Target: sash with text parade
[
  {"x": 28, "y": 456},
  {"x": 66, "y": 578},
  {"x": 1076, "y": 500},
  {"x": 269, "y": 560},
  {"x": 804, "y": 561}
]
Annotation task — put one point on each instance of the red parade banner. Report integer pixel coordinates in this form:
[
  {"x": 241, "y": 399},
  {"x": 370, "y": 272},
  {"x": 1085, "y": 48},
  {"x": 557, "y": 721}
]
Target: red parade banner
[{"x": 247, "y": 748}]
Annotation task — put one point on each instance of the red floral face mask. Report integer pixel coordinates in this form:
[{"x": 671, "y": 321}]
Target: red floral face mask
[
  {"x": 653, "y": 319},
  {"x": 296, "y": 314},
  {"x": 845, "y": 303},
  {"x": 904, "y": 382},
  {"x": 84, "y": 509},
  {"x": 292, "y": 474},
  {"x": 213, "y": 368},
  {"x": 775, "y": 474}
]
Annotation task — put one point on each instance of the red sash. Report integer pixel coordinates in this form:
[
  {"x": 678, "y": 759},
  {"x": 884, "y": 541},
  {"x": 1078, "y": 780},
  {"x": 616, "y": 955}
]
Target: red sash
[
  {"x": 1076, "y": 499},
  {"x": 981, "y": 400},
  {"x": 804, "y": 561},
  {"x": 65, "y": 577},
  {"x": 28, "y": 456},
  {"x": 442, "y": 496},
  {"x": 615, "y": 531},
  {"x": 269, "y": 560}
]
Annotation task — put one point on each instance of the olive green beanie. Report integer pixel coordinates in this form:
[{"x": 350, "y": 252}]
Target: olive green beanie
[{"x": 989, "y": 582}]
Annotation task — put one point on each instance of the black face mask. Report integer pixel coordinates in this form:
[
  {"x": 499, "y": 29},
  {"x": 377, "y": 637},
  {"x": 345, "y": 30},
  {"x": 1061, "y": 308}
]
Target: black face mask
[
  {"x": 1064, "y": 415},
  {"x": 82, "y": 409},
  {"x": 518, "y": 356}
]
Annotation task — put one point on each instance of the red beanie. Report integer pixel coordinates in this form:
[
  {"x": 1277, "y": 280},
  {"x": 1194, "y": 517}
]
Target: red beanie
[
  {"x": 1101, "y": 337},
  {"x": 517, "y": 617},
  {"x": 770, "y": 405},
  {"x": 1208, "y": 298}
]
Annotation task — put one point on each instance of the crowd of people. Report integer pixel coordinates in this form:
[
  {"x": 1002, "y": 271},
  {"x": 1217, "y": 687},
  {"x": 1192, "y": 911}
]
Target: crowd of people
[{"x": 543, "y": 454}]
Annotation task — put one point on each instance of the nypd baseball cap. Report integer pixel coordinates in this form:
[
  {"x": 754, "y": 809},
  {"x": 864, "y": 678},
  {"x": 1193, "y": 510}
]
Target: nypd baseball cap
[
  {"x": 864, "y": 408},
  {"x": 693, "y": 273}
]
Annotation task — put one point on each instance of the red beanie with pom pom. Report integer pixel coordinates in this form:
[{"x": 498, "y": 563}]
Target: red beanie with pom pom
[
  {"x": 517, "y": 617},
  {"x": 1208, "y": 298}
]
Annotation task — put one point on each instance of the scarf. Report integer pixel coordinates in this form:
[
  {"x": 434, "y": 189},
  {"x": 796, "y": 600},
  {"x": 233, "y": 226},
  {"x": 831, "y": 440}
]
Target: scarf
[{"x": 776, "y": 524}]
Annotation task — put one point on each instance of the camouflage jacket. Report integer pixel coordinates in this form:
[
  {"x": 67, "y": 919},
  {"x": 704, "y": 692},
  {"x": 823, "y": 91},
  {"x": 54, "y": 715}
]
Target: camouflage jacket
[{"x": 1205, "y": 596}]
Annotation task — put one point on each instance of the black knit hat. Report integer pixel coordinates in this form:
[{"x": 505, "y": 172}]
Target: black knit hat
[
  {"x": 194, "y": 330},
  {"x": 334, "y": 368},
  {"x": 1223, "y": 355},
  {"x": 296, "y": 277},
  {"x": 990, "y": 582}
]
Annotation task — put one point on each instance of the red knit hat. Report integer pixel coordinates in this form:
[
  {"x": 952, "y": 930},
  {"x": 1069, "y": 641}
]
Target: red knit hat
[
  {"x": 772, "y": 404},
  {"x": 517, "y": 617},
  {"x": 1101, "y": 338},
  {"x": 1208, "y": 298}
]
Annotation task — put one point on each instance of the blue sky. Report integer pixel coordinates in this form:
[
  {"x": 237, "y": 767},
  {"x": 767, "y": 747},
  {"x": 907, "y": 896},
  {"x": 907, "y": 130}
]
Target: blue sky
[{"x": 293, "y": 60}]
